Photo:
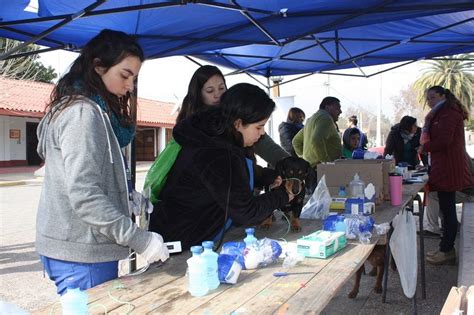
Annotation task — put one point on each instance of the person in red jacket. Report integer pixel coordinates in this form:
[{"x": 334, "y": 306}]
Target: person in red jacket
[{"x": 443, "y": 138}]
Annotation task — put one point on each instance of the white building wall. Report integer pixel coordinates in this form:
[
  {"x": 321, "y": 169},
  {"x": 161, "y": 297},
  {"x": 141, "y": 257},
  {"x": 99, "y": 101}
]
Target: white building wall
[
  {"x": 162, "y": 135},
  {"x": 13, "y": 149},
  {"x": 4, "y": 144}
]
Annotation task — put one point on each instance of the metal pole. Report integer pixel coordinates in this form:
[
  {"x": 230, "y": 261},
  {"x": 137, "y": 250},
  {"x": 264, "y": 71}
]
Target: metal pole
[{"x": 132, "y": 264}]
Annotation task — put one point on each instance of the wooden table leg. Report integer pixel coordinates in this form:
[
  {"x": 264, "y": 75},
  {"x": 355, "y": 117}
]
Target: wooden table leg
[
  {"x": 387, "y": 262},
  {"x": 421, "y": 212}
]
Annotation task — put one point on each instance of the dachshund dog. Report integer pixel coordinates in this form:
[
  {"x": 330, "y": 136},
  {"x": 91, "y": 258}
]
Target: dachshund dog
[
  {"x": 295, "y": 173},
  {"x": 377, "y": 260}
]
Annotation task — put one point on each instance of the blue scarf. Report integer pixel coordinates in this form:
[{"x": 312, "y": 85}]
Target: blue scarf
[{"x": 124, "y": 134}]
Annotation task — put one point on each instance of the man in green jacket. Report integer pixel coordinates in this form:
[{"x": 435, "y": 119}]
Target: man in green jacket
[{"x": 319, "y": 141}]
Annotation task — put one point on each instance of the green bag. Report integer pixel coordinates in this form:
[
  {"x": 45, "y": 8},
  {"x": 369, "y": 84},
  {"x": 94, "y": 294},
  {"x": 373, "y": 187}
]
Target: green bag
[{"x": 158, "y": 172}]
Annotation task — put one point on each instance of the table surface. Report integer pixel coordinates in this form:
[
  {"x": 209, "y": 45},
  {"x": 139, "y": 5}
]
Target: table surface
[{"x": 163, "y": 288}]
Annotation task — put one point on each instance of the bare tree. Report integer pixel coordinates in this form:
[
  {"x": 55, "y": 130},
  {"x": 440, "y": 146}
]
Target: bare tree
[
  {"x": 406, "y": 103},
  {"x": 23, "y": 68}
]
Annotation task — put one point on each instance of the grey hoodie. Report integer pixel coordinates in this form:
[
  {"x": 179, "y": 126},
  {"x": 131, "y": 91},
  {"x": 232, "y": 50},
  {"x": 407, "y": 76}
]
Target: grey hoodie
[{"x": 83, "y": 213}]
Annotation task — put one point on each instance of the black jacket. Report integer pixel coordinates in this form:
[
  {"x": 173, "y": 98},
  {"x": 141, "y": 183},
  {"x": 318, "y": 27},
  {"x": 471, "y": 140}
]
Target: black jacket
[
  {"x": 395, "y": 146},
  {"x": 287, "y": 132},
  {"x": 208, "y": 171}
]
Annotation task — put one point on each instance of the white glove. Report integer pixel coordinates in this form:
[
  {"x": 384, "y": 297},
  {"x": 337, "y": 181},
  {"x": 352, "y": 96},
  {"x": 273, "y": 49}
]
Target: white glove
[{"x": 156, "y": 249}]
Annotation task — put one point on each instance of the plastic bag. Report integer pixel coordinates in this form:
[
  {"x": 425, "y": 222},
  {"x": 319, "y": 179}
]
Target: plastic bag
[
  {"x": 264, "y": 252},
  {"x": 359, "y": 226},
  {"x": 271, "y": 250},
  {"x": 317, "y": 206},
  {"x": 234, "y": 249},
  {"x": 403, "y": 246},
  {"x": 158, "y": 173},
  {"x": 228, "y": 268},
  {"x": 290, "y": 252}
]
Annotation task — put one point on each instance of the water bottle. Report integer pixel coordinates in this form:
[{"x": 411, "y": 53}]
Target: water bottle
[
  {"x": 250, "y": 240},
  {"x": 342, "y": 192},
  {"x": 210, "y": 258},
  {"x": 74, "y": 301},
  {"x": 197, "y": 273},
  {"x": 356, "y": 187},
  {"x": 340, "y": 225}
]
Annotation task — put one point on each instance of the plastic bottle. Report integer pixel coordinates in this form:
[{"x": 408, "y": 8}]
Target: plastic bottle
[
  {"x": 211, "y": 262},
  {"x": 342, "y": 192},
  {"x": 356, "y": 187},
  {"x": 340, "y": 225},
  {"x": 74, "y": 301},
  {"x": 250, "y": 240},
  {"x": 197, "y": 273}
]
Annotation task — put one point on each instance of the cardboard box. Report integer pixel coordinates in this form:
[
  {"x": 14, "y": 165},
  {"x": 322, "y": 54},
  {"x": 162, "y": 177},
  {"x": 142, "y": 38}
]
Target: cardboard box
[
  {"x": 455, "y": 302},
  {"x": 341, "y": 172},
  {"x": 321, "y": 244}
]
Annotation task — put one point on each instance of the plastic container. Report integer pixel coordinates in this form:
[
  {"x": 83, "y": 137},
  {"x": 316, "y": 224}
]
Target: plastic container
[
  {"x": 197, "y": 273},
  {"x": 250, "y": 240},
  {"x": 229, "y": 268},
  {"x": 340, "y": 226},
  {"x": 211, "y": 262},
  {"x": 74, "y": 301},
  {"x": 356, "y": 187},
  {"x": 329, "y": 224},
  {"x": 358, "y": 154},
  {"x": 235, "y": 249},
  {"x": 342, "y": 192},
  {"x": 395, "y": 189}
]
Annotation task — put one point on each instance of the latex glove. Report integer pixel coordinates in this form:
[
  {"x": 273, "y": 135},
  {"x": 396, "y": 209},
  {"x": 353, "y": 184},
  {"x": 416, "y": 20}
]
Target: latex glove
[{"x": 156, "y": 249}]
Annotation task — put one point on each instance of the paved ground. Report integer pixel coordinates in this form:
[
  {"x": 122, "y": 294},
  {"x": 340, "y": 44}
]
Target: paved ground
[{"x": 22, "y": 282}]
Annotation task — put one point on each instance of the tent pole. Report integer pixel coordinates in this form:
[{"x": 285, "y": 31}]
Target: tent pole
[
  {"x": 65, "y": 21},
  {"x": 33, "y": 52},
  {"x": 258, "y": 25},
  {"x": 192, "y": 60},
  {"x": 345, "y": 18},
  {"x": 132, "y": 158},
  {"x": 270, "y": 120}
]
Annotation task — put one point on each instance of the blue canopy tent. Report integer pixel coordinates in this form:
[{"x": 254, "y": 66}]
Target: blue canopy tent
[
  {"x": 269, "y": 37},
  {"x": 185, "y": 27},
  {"x": 406, "y": 40}
]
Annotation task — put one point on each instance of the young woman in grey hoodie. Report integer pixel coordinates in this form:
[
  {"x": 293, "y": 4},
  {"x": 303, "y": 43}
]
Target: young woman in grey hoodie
[{"x": 83, "y": 222}]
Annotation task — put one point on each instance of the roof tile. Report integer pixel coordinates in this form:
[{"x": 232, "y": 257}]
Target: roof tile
[{"x": 29, "y": 98}]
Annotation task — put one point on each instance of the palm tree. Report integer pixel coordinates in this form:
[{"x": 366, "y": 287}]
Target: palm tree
[{"x": 454, "y": 73}]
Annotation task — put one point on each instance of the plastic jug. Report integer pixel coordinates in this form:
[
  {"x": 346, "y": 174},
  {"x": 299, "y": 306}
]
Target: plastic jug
[
  {"x": 74, "y": 301},
  {"x": 211, "y": 262},
  {"x": 356, "y": 187},
  {"x": 197, "y": 273},
  {"x": 250, "y": 240}
]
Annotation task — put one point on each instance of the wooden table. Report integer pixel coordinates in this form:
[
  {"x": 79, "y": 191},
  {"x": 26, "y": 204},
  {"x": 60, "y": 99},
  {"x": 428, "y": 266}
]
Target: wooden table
[{"x": 162, "y": 289}]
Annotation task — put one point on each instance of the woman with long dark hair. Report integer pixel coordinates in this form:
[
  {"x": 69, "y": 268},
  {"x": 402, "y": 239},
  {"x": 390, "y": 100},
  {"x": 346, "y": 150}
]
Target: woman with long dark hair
[
  {"x": 212, "y": 178},
  {"x": 403, "y": 142},
  {"x": 83, "y": 225},
  {"x": 204, "y": 92},
  {"x": 443, "y": 138}
]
